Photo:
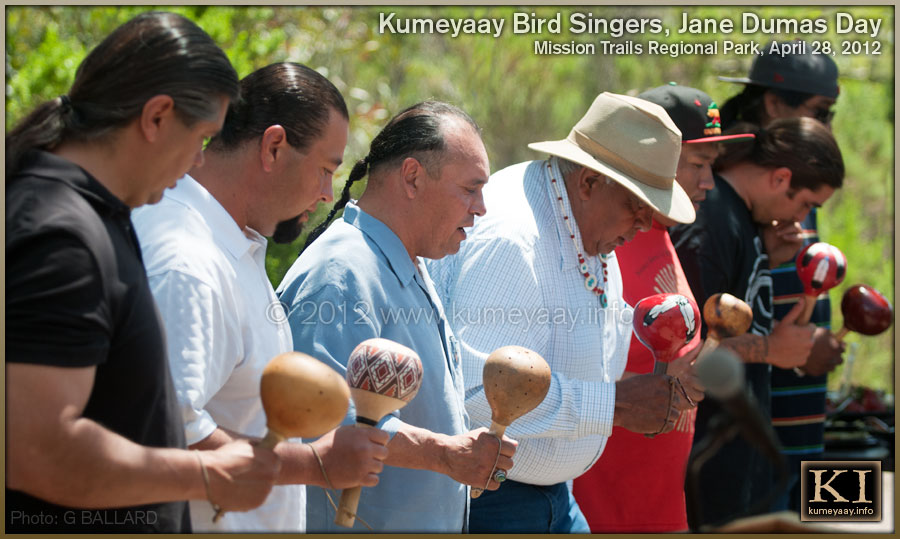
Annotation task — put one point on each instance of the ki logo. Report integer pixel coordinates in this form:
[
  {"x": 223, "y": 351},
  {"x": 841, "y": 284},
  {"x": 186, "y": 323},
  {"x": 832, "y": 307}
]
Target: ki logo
[{"x": 840, "y": 491}]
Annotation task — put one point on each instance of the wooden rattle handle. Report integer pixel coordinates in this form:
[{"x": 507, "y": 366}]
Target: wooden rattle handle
[
  {"x": 497, "y": 429},
  {"x": 808, "y": 308},
  {"x": 271, "y": 440},
  {"x": 346, "y": 511},
  {"x": 710, "y": 344},
  {"x": 842, "y": 333},
  {"x": 347, "y": 506}
]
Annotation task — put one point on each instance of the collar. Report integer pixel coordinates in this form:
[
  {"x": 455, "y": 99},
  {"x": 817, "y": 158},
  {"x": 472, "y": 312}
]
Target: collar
[
  {"x": 225, "y": 230},
  {"x": 381, "y": 235},
  {"x": 568, "y": 255},
  {"x": 52, "y": 167}
]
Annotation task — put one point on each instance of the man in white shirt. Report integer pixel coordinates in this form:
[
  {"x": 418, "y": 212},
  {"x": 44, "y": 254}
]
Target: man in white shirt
[
  {"x": 204, "y": 251},
  {"x": 538, "y": 270}
]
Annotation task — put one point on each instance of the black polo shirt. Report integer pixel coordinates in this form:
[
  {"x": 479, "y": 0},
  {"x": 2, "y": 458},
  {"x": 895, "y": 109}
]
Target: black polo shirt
[
  {"x": 722, "y": 251},
  {"x": 76, "y": 296}
]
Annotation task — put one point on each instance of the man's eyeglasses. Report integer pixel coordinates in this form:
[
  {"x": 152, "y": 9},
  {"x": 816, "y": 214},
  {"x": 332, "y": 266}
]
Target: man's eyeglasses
[{"x": 823, "y": 114}]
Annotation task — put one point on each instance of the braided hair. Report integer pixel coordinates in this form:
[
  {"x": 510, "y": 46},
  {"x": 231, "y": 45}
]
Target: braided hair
[{"x": 415, "y": 132}]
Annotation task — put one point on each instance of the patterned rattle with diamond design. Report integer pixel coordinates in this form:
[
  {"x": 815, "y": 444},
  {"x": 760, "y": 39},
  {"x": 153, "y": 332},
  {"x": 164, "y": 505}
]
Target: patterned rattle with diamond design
[{"x": 383, "y": 376}]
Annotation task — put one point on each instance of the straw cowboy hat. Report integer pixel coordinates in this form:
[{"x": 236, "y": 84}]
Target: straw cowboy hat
[{"x": 633, "y": 142}]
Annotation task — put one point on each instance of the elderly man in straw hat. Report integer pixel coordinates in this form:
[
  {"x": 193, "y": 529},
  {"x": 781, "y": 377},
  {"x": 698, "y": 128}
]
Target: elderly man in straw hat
[
  {"x": 613, "y": 494},
  {"x": 540, "y": 271}
]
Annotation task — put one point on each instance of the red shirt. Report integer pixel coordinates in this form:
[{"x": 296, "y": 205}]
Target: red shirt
[{"x": 637, "y": 485}]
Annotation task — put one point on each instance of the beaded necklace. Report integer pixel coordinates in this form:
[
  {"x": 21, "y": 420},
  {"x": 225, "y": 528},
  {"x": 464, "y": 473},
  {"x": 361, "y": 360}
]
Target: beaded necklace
[{"x": 590, "y": 280}]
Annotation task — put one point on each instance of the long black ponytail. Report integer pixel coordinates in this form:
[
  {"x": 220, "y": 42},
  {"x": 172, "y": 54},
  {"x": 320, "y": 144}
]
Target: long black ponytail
[{"x": 154, "y": 53}]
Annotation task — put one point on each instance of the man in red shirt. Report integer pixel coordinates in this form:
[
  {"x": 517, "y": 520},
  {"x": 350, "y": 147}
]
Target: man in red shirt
[{"x": 638, "y": 483}]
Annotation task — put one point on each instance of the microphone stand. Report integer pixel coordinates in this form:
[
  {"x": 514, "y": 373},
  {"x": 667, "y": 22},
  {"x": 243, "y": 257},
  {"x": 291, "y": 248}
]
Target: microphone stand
[{"x": 721, "y": 431}]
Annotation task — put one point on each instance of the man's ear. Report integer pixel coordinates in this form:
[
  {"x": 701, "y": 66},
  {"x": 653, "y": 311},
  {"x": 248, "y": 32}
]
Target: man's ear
[
  {"x": 411, "y": 176},
  {"x": 585, "y": 182},
  {"x": 780, "y": 179},
  {"x": 158, "y": 110},
  {"x": 273, "y": 143}
]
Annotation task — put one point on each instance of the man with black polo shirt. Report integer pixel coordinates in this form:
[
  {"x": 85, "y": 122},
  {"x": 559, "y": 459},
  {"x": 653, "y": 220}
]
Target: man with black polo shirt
[
  {"x": 94, "y": 439},
  {"x": 77, "y": 296},
  {"x": 791, "y": 167},
  {"x": 785, "y": 86},
  {"x": 63, "y": 196}
]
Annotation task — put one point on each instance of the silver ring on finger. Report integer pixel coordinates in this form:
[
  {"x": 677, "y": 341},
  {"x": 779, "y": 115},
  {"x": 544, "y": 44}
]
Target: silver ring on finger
[{"x": 500, "y": 476}]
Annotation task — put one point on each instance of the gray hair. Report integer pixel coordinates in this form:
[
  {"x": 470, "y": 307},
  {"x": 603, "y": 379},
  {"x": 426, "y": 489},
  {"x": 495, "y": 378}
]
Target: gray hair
[
  {"x": 567, "y": 167},
  {"x": 154, "y": 53}
]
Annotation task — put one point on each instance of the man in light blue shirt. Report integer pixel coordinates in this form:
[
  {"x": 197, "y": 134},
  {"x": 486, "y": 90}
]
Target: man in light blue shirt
[{"x": 364, "y": 278}]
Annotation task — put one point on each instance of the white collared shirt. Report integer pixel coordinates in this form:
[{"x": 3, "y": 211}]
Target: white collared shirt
[
  {"x": 223, "y": 324},
  {"x": 515, "y": 280}
]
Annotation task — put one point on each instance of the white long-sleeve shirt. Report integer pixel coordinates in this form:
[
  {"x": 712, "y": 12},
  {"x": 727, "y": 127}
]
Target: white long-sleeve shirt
[{"x": 516, "y": 281}]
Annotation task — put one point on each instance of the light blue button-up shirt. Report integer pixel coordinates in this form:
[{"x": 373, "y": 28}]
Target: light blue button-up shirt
[{"x": 354, "y": 283}]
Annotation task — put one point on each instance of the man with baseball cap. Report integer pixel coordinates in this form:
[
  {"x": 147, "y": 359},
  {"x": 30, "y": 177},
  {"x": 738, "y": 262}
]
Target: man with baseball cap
[
  {"x": 636, "y": 472},
  {"x": 785, "y": 86},
  {"x": 539, "y": 270}
]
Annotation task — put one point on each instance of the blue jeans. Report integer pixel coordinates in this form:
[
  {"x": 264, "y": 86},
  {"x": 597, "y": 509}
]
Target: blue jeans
[{"x": 521, "y": 508}]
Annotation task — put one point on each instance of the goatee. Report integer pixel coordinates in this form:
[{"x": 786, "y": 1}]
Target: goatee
[{"x": 288, "y": 231}]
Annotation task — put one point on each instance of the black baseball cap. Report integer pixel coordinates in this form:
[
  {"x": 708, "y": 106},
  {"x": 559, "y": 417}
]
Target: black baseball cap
[
  {"x": 695, "y": 113},
  {"x": 800, "y": 71}
]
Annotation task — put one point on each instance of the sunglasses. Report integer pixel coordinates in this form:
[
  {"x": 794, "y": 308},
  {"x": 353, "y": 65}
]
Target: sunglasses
[{"x": 822, "y": 114}]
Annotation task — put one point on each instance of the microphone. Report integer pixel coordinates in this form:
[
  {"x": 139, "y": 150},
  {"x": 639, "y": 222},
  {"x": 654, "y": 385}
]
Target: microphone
[{"x": 722, "y": 374}]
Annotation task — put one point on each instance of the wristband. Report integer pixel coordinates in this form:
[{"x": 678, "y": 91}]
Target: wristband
[
  {"x": 205, "y": 474},
  {"x": 321, "y": 466}
]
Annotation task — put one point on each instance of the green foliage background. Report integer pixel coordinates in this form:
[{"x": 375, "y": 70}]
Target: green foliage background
[{"x": 515, "y": 95}]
